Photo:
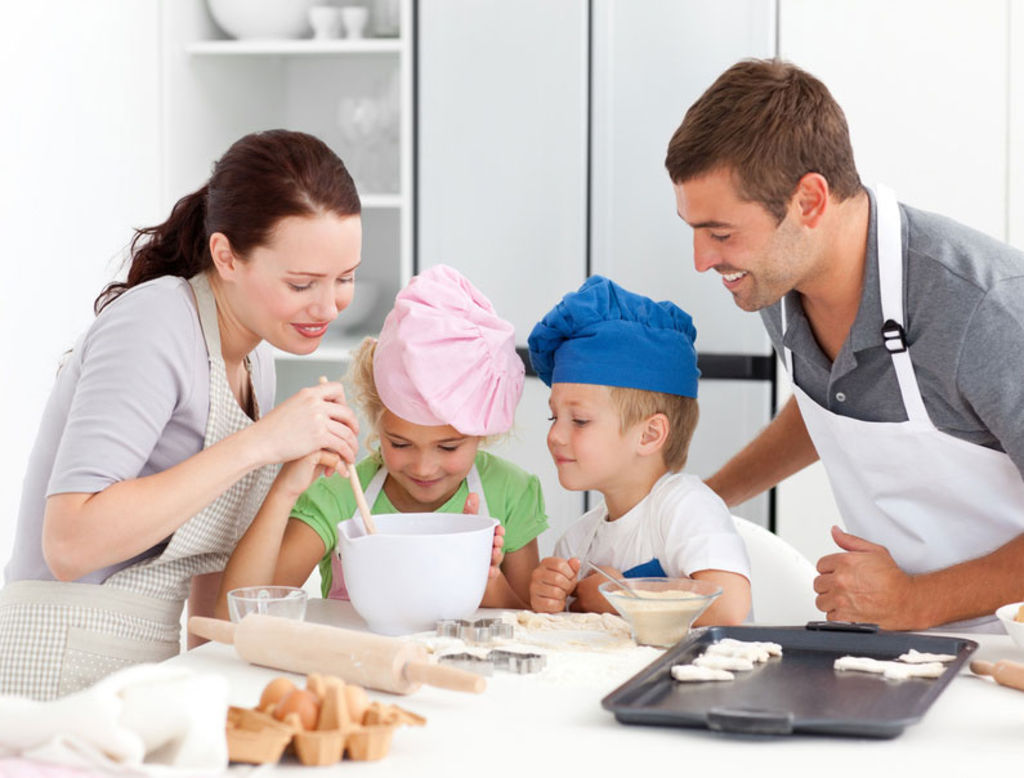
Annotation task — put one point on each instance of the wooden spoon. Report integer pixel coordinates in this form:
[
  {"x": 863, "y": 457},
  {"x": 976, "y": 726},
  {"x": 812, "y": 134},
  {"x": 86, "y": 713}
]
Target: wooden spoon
[{"x": 357, "y": 490}]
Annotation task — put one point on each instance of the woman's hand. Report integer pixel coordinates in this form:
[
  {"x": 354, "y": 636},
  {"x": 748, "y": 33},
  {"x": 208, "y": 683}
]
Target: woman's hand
[{"x": 313, "y": 419}]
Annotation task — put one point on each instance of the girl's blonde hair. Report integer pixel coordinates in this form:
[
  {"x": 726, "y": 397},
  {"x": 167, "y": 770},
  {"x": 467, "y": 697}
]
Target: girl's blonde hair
[{"x": 360, "y": 375}]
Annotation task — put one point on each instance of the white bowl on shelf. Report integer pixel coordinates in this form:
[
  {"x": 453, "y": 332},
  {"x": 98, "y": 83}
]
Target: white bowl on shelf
[{"x": 262, "y": 19}]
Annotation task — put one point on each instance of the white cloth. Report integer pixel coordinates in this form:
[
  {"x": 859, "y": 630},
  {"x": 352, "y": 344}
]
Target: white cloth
[
  {"x": 931, "y": 499},
  {"x": 148, "y": 719},
  {"x": 681, "y": 523}
]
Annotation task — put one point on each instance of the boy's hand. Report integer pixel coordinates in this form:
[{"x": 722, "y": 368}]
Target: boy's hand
[
  {"x": 588, "y": 598},
  {"x": 297, "y": 476},
  {"x": 551, "y": 582}
]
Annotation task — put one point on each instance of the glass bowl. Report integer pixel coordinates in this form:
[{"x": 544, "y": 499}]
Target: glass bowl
[
  {"x": 288, "y": 602},
  {"x": 1008, "y": 616},
  {"x": 665, "y": 610}
]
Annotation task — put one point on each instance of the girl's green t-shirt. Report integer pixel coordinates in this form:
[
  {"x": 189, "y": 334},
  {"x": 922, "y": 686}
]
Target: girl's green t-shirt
[{"x": 513, "y": 496}]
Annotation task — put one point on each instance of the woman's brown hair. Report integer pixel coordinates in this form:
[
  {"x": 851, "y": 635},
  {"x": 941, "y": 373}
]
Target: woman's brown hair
[
  {"x": 263, "y": 178},
  {"x": 771, "y": 123}
]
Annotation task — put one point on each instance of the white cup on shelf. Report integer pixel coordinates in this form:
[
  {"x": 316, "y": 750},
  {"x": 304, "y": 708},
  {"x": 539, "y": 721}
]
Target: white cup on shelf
[
  {"x": 355, "y": 18},
  {"x": 326, "y": 21}
]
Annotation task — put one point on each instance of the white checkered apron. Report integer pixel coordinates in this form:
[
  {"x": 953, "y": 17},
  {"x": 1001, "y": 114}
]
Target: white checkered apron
[{"x": 56, "y": 637}]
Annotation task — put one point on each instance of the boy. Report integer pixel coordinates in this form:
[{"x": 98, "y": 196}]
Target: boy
[{"x": 623, "y": 376}]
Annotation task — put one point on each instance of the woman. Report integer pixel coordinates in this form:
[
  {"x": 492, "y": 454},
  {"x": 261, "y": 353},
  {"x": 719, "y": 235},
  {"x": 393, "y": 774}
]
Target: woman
[{"x": 156, "y": 447}]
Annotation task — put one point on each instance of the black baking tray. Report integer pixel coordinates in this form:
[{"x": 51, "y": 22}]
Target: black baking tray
[{"x": 799, "y": 692}]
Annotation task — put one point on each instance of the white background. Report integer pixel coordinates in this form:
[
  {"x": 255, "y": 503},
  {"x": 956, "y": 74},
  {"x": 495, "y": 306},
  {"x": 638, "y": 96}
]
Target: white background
[{"x": 929, "y": 87}]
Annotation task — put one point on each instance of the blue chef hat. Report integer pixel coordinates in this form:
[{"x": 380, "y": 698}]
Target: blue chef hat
[{"x": 603, "y": 334}]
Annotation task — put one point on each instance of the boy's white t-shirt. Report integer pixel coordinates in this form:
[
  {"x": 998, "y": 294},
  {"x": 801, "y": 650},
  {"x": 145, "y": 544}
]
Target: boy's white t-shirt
[{"x": 681, "y": 523}]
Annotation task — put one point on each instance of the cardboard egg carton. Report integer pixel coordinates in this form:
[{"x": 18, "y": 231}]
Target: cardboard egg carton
[{"x": 347, "y": 724}]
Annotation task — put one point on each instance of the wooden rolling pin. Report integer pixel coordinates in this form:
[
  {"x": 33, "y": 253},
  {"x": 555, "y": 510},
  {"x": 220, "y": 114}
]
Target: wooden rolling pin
[
  {"x": 373, "y": 661},
  {"x": 1004, "y": 672}
]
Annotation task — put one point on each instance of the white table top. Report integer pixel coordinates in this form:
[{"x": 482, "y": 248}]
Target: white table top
[{"x": 553, "y": 722}]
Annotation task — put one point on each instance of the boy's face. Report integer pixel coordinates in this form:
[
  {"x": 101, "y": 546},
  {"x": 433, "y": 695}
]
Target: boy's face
[{"x": 585, "y": 439}]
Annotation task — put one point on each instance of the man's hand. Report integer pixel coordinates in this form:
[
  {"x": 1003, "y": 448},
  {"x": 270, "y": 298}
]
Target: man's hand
[
  {"x": 864, "y": 584},
  {"x": 551, "y": 583}
]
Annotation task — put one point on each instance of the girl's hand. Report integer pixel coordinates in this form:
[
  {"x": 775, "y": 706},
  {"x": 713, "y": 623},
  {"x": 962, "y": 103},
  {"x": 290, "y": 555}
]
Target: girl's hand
[
  {"x": 313, "y": 419},
  {"x": 472, "y": 506},
  {"x": 497, "y": 552},
  {"x": 298, "y": 475}
]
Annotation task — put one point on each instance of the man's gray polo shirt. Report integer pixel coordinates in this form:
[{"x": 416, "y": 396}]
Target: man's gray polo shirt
[{"x": 964, "y": 318}]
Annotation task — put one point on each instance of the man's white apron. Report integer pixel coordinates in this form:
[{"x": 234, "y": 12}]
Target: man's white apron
[
  {"x": 58, "y": 637},
  {"x": 931, "y": 499}
]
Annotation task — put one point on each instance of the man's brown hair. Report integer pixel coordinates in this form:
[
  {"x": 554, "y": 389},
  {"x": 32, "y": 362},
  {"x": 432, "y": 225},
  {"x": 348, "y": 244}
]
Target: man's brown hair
[
  {"x": 771, "y": 123},
  {"x": 635, "y": 405}
]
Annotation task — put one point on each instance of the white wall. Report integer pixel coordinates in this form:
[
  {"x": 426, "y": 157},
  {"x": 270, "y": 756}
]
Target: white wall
[
  {"x": 80, "y": 161},
  {"x": 925, "y": 88}
]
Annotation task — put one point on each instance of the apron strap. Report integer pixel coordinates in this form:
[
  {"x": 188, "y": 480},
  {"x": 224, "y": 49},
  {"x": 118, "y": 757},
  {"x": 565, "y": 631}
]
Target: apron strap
[
  {"x": 207, "y": 307},
  {"x": 890, "y": 283}
]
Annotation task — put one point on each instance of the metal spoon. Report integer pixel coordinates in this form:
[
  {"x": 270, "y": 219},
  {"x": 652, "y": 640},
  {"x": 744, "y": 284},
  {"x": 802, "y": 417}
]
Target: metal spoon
[{"x": 615, "y": 580}]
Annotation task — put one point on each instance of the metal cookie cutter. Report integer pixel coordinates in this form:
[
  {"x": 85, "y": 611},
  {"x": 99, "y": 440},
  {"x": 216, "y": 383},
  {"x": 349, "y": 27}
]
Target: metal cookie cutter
[
  {"x": 516, "y": 661},
  {"x": 470, "y": 662},
  {"x": 477, "y": 631}
]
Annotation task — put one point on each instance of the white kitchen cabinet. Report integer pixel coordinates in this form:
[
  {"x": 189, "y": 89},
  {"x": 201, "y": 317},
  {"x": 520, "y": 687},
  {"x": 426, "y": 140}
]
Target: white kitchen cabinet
[{"x": 543, "y": 163}]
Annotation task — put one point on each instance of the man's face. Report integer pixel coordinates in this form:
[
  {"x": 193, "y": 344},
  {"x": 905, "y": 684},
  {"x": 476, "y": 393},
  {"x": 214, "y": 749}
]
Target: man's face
[{"x": 759, "y": 260}]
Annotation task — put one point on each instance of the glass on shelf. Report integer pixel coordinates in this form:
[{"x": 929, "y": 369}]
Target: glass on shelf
[
  {"x": 369, "y": 127},
  {"x": 386, "y": 16}
]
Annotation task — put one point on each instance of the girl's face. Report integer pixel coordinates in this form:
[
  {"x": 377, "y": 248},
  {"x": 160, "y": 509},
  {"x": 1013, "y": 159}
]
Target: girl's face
[
  {"x": 426, "y": 465},
  {"x": 289, "y": 290}
]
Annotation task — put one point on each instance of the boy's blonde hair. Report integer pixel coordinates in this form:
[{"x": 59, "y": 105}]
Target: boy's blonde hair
[{"x": 682, "y": 413}]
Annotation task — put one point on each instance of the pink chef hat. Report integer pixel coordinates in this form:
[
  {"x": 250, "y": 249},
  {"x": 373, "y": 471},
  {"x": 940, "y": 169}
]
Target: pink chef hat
[{"x": 445, "y": 357}]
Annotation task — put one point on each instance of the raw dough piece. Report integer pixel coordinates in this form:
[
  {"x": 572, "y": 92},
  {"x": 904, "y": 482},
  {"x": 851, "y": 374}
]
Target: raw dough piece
[
  {"x": 716, "y": 662},
  {"x": 915, "y": 657},
  {"x": 896, "y": 671},
  {"x": 753, "y": 650},
  {"x": 698, "y": 673}
]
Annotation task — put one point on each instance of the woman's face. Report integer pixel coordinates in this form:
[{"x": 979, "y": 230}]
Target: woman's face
[
  {"x": 289, "y": 290},
  {"x": 426, "y": 465}
]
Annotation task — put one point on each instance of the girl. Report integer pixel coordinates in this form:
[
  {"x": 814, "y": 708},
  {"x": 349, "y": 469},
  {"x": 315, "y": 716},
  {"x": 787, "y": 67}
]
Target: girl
[
  {"x": 443, "y": 376},
  {"x": 158, "y": 445}
]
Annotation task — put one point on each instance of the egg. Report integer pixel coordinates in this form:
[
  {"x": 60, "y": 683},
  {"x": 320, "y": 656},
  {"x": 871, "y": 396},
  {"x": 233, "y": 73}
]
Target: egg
[
  {"x": 301, "y": 702},
  {"x": 274, "y": 691},
  {"x": 357, "y": 702}
]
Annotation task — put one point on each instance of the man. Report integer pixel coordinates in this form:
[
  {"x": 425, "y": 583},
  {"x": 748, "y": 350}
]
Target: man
[{"x": 903, "y": 332}]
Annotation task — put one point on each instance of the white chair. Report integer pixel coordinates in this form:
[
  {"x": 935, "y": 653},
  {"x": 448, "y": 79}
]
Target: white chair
[{"x": 781, "y": 578}]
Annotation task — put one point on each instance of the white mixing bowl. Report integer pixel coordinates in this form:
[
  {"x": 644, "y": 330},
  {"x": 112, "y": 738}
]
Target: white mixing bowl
[
  {"x": 262, "y": 19},
  {"x": 416, "y": 569}
]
